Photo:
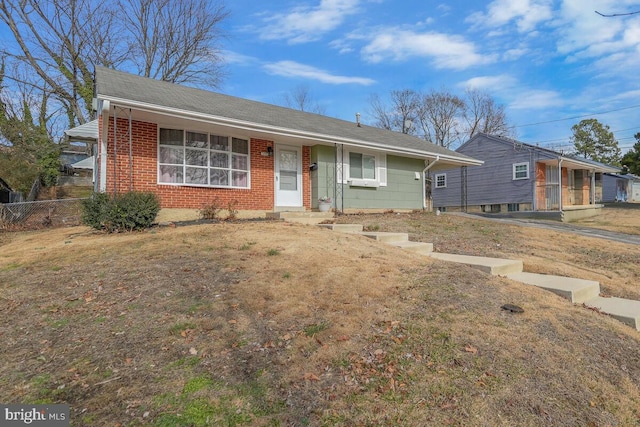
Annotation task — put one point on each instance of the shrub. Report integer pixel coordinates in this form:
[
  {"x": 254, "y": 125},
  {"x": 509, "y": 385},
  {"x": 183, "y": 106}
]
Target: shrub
[
  {"x": 211, "y": 210},
  {"x": 121, "y": 212},
  {"x": 232, "y": 207}
]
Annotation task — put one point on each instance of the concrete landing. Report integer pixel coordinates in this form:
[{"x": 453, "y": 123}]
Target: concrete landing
[
  {"x": 302, "y": 217},
  {"x": 385, "y": 237},
  {"x": 343, "y": 228},
  {"x": 625, "y": 310},
  {"x": 575, "y": 290},
  {"x": 417, "y": 247},
  {"x": 493, "y": 266}
]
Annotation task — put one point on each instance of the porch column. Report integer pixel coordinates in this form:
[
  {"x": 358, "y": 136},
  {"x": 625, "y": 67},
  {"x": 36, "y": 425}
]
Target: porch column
[
  {"x": 593, "y": 187},
  {"x": 560, "y": 185}
]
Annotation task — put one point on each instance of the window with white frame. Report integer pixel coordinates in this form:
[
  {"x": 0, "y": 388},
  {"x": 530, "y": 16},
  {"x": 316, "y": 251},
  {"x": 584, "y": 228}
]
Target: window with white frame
[
  {"x": 362, "y": 166},
  {"x": 202, "y": 159},
  {"x": 520, "y": 171},
  {"x": 364, "y": 169},
  {"x": 441, "y": 180}
]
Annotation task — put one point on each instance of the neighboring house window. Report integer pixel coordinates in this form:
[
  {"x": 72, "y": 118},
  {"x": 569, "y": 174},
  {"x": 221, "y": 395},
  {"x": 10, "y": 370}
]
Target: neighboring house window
[
  {"x": 361, "y": 169},
  {"x": 202, "y": 159},
  {"x": 441, "y": 180},
  {"x": 520, "y": 171}
]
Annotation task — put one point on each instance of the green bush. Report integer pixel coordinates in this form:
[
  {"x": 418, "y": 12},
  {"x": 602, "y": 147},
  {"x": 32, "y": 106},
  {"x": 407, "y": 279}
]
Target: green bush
[{"x": 120, "y": 212}]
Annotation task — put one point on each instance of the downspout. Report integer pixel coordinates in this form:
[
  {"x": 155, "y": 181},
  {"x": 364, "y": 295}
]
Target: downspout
[{"x": 424, "y": 179}]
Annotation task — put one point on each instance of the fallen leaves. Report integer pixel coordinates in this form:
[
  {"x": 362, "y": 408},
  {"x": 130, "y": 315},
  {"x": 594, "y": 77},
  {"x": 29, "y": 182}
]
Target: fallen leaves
[
  {"x": 471, "y": 349},
  {"x": 311, "y": 377}
]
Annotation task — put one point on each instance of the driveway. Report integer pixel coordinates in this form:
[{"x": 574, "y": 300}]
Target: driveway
[{"x": 562, "y": 227}]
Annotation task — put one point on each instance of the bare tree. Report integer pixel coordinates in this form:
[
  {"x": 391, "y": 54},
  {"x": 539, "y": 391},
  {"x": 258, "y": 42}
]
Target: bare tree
[
  {"x": 58, "y": 43},
  {"x": 299, "y": 98},
  {"x": 175, "y": 41},
  {"x": 439, "y": 117},
  {"x": 400, "y": 115},
  {"x": 483, "y": 115},
  {"x": 380, "y": 112}
]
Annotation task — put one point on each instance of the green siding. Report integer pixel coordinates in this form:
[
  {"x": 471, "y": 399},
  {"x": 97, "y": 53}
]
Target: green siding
[{"x": 403, "y": 191}]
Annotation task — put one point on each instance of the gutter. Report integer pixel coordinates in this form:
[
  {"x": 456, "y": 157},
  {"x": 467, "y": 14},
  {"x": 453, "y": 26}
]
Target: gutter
[{"x": 424, "y": 178}]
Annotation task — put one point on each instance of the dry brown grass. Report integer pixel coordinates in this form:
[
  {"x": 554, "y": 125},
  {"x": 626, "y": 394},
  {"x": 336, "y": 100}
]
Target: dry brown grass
[{"x": 284, "y": 325}]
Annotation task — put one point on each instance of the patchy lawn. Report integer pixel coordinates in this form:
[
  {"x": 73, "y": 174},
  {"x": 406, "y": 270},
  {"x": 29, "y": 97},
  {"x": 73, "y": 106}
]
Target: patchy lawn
[{"x": 269, "y": 324}]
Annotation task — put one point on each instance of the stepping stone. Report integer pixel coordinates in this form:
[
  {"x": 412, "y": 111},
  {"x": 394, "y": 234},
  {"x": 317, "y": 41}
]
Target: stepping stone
[
  {"x": 625, "y": 310},
  {"x": 343, "y": 228},
  {"x": 385, "y": 237},
  {"x": 417, "y": 247},
  {"x": 495, "y": 266},
  {"x": 575, "y": 290}
]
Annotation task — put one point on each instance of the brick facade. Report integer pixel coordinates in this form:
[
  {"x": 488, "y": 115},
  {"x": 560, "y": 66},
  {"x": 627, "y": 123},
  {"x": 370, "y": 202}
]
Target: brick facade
[{"x": 138, "y": 171}]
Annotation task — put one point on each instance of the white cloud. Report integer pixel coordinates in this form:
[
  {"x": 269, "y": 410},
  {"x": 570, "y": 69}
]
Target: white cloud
[
  {"x": 537, "y": 99},
  {"x": 231, "y": 57},
  {"x": 295, "y": 69},
  {"x": 609, "y": 45},
  {"x": 303, "y": 24},
  {"x": 446, "y": 51},
  {"x": 526, "y": 14},
  {"x": 497, "y": 83}
]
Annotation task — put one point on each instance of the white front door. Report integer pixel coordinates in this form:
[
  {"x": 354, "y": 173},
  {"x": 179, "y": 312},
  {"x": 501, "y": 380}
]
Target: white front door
[{"x": 288, "y": 179}]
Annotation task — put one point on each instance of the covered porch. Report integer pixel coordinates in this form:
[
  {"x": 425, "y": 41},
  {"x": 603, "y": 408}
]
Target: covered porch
[{"x": 566, "y": 187}]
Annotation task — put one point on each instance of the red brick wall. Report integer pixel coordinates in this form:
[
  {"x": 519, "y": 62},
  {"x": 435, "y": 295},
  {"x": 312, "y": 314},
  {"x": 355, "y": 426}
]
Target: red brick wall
[{"x": 145, "y": 176}]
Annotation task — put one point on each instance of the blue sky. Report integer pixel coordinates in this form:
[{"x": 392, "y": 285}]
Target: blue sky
[{"x": 544, "y": 60}]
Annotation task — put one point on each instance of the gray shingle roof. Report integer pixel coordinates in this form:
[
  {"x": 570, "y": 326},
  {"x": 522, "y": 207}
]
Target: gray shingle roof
[{"x": 117, "y": 85}]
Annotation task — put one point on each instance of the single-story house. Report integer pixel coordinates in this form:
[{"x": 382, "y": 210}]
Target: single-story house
[
  {"x": 519, "y": 179},
  {"x": 619, "y": 188},
  {"x": 193, "y": 147}
]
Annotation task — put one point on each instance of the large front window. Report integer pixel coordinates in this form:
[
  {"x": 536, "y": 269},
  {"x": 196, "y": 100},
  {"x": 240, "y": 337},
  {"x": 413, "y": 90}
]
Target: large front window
[{"x": 202, "y": 159}]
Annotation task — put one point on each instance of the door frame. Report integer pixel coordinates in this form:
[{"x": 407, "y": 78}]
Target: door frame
[{"x": 276, "y": 178}]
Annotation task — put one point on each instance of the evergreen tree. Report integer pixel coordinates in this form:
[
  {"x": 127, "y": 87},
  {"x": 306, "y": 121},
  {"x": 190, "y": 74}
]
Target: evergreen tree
[
  {"x": 593, "y": 140},
  {"x": 631, "y": 160}
]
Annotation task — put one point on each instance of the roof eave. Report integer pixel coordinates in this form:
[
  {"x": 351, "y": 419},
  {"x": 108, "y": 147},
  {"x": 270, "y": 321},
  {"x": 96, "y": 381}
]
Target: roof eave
[{"x": 279, "y": 131}]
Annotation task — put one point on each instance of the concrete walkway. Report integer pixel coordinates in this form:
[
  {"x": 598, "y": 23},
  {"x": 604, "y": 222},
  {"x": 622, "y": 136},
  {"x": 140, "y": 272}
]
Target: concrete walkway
[
  {"x": 558, "y": 226},
  {"x": 577, "y": 291}
]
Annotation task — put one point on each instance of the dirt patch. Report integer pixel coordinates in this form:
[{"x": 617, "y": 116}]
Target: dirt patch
[{"x": 274, "y": 324}]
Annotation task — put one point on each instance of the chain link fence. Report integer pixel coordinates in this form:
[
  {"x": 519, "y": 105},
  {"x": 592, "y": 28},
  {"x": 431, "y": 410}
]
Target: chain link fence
[{"x": 41, "y": 214}]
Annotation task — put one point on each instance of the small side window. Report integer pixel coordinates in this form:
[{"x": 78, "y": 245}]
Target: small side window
[
  {"x": 520, "y": 171},
  {"x": 441, "y": 180}
]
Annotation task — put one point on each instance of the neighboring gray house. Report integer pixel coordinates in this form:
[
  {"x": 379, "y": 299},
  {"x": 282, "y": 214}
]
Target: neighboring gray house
[
  {"x": 620, "y": 188},
  {"x": 193, "y": 147},
  {"x": 519, "y": 177}
]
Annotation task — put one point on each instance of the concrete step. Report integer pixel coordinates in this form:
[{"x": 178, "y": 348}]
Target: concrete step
[
  {"x": 625, "y": 310},
  {"x": 343, "y": 228},
  {"x": 417, "y": 247},
  {"x": 575, "y": 290},
  {"x": 385, "y": 237},
  {"x": 495, "y": 266},
  {"x": 301, "y": 217}
]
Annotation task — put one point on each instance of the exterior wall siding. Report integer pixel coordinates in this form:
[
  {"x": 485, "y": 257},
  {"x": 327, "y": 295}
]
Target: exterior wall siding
[
  {"x": 403, "y": 191},
  {"x": 142, "y": 173},
  {"x": 491, "y": 183}
]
